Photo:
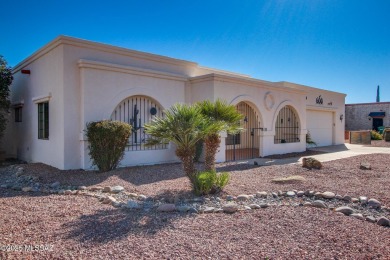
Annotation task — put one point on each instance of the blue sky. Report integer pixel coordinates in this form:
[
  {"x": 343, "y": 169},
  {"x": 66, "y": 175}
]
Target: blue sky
[{"x": 337, "y": 45}]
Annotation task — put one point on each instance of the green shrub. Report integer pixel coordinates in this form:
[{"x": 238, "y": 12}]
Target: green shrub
[
  {"x": 310, "y": 141},
  {"x": 222, "y": 180},
  {"x": 107, "y": 142},
  {"x": 210, "y": 182},
  {"x": 375, "y": 135}
]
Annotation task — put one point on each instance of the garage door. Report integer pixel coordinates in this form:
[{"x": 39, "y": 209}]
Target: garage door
[{"x": 320, "y": 125}]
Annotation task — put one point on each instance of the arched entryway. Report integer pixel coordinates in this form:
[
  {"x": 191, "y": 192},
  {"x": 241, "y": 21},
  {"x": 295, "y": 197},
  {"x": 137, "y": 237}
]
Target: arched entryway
[
  {"x": 287, "y": 128},
  {"x": 137, "y": 111},
  {"x": 246, "y": 144}
]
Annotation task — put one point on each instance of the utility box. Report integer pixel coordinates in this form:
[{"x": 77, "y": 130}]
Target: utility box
[{"x": 360, "y": 137}]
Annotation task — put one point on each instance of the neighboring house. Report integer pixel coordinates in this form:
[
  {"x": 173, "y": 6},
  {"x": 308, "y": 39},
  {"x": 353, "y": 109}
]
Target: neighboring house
[
  {"x": 367, "y": 116},
  {"x": 70, "y": 82}
]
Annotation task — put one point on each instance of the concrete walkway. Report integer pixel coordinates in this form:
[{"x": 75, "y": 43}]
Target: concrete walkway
[{"x": 333, "y": 152}]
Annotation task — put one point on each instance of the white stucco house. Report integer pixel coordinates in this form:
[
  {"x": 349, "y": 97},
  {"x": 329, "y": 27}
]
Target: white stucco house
[{"x": 69, "y": 82}]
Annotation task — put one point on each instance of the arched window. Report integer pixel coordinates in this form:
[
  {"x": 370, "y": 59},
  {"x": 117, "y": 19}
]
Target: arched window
[
  {"x": 137, "y": 111},
  {"x": 287, "y": 128}
]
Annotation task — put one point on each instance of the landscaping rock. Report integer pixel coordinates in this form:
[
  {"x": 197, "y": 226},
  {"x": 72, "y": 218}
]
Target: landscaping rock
[
  {"x": 229, "y": 197},
  {"x": 347, "y": 198},
  {"x": 338, "y": 196},
  {"x": 365, "y": 166},
  {"x": 328, "y": 195},
  {"x": 142, "y": 197},
  {"x": 96, "y": 188},
  {"x": 311, "y": 163},
  {"x": 357, "y": 215},
  {"x": 183, "y": 208},
  {"x": 82, "y": 188},
  {"x": 363, "y": 199},
  {"x": 373, "y": 203},
  {"x": 116, "y": 204},
  {"x": 254, "y": 206},
  {"x": 27, "y": 189},
  {"x": 345, "y": 210},
  {"x": 55, "y": 185},
  {"x": 133, "y": 195},
  {"x": 307, "y": 204},
  {"x": 242, "y": 197},
  {"x": 108, "y": 200},
  {"x": 230, "y": 208},
  {"x": 107, "y": 189},
  {"x": 300, "y": 193},
  {"x": 290, "y": 194},
  {"x": 264, "y": 205},
  {"x": 318, "y": 194},
  {"x": 208, "y": 210},
  {"x": 247, "y": 208},
  {"x": 219, "y": 210},
  {"x": 319, "y": 204},
  {"x": 117, "y": 189},
  {"x": 131, "y": 204},
  {"x": 166, "y": 208},
  {"x": 261, "y": 194},
  {"x": 382, "y": 221},
  {"x": 289, "y": 180},
  {"x": 68, "y": 192},
  {"x": 371, "y": 219},
  {"x": 274, "y": 194},
  {"x": 355, "y": 200}
]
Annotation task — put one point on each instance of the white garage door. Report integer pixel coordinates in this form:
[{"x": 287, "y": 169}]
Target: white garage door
[{"x": 320, "y": 125}]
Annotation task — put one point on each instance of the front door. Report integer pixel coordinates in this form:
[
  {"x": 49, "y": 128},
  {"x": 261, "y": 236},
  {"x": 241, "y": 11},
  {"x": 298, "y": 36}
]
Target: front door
[
  {"x": 244, "y": 145},
  {"x": 376, "y": 122}
]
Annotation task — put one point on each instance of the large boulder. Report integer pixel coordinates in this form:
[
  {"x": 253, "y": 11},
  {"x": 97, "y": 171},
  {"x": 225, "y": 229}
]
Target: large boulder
[{"x": 311, "y": 163}]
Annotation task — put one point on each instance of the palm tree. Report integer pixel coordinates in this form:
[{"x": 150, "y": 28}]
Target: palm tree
[
  {"x": 226, "y": 118},
  {"x": 184, "y": 126}
]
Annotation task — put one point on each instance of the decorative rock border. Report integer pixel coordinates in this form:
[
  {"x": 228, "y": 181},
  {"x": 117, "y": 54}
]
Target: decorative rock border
[{"x": 370, "y": 210}]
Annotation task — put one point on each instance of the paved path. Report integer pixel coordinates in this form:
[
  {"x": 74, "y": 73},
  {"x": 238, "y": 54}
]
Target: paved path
[{"x": 333, "y": 152}]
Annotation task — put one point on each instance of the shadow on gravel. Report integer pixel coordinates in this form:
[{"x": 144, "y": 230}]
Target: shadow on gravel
[
  {"x": 236, "y": 167},
  {"x": 116, "y": 224},
  {"x": 9, "y": 193}
]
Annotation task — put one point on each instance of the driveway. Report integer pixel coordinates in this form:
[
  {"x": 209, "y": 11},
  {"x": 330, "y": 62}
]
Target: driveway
[{"x": 331, "y": 153}]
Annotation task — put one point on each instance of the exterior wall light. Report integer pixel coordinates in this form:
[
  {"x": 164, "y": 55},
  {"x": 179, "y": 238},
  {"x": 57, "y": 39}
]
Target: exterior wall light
[{"x": 341, "y": 117}]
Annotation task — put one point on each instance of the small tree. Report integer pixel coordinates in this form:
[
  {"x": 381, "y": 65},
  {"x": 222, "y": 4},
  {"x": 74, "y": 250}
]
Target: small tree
[
  {"x": 107, "y": 142},
  {"x": 5, "y": 82},
  {"x": 184, "y": 126},
  {"x": 224, "y": 117}
]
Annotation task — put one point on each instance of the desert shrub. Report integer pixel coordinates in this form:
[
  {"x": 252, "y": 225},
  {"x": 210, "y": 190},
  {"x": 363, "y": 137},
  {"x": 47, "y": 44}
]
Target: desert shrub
[
  {"x": 210, "y": 182},
  {"x": 107, "y": 142},
  {"x": 375, "y": 135}
]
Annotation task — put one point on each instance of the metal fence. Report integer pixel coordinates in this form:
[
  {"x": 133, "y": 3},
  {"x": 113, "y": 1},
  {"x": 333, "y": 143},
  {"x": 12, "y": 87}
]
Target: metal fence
[
  {"x": 287, "y": 126},
  {"x": 137, "y": 111}
]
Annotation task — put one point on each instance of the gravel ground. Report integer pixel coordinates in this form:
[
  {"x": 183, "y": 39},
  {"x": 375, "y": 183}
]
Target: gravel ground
[
  {"x": 380, "y": 143},
  {"x": 79, "y": 227}
]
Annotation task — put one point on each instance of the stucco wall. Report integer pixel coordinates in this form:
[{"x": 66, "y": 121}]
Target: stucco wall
[
  {"x": 356, "y": 115},
  {"x": 44, "y": 83},
  {"x": 108, "y": 88},
  {"x": 332, "y": 102},
  {"x": 85, "y": 81}
]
